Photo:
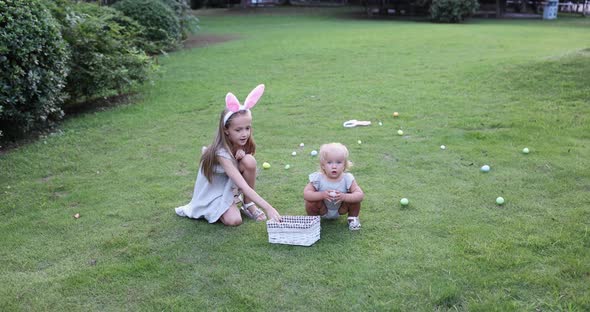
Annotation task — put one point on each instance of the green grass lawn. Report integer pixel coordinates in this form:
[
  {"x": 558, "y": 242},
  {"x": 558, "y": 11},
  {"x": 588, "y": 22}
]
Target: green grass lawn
[{"x": 486, "y": 89}]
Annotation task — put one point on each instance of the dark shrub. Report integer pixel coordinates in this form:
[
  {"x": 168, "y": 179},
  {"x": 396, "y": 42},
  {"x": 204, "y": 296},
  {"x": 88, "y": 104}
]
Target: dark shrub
[
  {"x": 161, "y": 23},
  {"x": 33, "y": 67},
  {"x": 188, "y": 22},
  {"x": 219, "y": 3},
  {"x": 197, "y": 4},
  {"x": 105, "y": 58},
  {"x": 452, "y": 11}
]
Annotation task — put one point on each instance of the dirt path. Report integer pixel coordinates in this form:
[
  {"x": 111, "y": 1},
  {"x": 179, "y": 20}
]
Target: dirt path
[{"x": 197, "y": 41}]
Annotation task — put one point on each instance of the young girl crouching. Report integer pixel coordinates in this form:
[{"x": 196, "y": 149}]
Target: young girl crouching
[{"x": 227, "y": 167}]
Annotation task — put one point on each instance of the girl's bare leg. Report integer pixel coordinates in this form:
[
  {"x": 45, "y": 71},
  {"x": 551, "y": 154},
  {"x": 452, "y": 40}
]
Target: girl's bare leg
[
  {"x": 247, "y": 166},
  {"x": 232, "y": 216}
]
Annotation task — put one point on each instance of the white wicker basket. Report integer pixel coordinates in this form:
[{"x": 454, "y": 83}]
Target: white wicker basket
[{"x": 294, "y": 230}]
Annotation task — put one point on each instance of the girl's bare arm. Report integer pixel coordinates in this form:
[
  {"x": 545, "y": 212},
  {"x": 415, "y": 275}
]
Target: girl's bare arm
[{"x": 234, "y": 174}]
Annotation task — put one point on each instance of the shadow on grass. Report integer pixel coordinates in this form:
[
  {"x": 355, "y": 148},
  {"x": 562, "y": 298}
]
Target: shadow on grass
[
  {"x": 99, "y": 104},
  {"x": 566, "y": 75},
  {"x": 73, "y": 111}
]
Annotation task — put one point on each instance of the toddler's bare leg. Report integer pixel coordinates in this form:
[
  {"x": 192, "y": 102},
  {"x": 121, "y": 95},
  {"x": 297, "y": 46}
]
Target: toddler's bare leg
[
  {"x": 316, "y": 208},
  {"x": 353, "y": 209}
]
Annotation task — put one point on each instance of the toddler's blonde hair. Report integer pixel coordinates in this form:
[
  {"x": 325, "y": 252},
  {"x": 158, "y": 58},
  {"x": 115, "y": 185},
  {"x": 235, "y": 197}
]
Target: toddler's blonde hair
[{"x": 330, "y": 148}]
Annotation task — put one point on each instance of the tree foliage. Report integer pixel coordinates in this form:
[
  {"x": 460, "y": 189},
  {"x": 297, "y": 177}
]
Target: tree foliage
[{"x": 452, "y": 11}]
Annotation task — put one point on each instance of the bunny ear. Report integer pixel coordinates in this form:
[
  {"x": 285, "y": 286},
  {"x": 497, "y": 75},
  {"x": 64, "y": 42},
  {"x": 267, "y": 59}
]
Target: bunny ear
[
  {"x": 231, "y": 102},
  {"x": 254, "y": 96}
]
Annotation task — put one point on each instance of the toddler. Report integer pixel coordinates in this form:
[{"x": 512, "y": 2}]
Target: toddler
[{"x": 332, "y": 191}]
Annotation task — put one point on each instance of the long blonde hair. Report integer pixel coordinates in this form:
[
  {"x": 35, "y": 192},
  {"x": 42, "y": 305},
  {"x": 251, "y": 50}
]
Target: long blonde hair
[
  {"x": 209, "y": 157},
  {"x": 328, "y": 148}
]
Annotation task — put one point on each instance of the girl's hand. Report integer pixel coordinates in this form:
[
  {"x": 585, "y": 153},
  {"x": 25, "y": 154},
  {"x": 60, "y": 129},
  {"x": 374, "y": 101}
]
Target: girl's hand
[
  {"x": 273, "y": 214},
  {"x": 240, "y": 154}
]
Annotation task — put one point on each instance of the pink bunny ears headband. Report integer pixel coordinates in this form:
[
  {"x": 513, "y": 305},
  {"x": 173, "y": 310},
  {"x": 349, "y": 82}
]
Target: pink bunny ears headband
[{"x": 234, "y": 106}]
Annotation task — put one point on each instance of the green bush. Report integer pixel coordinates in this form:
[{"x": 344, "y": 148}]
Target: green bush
[
  {"x": 33, "y": 68},
  {"x": 106, "y": 59},
  {"x": 163, "y": 30},
  {"x": 452, "y": 11},
  {"x": 188, "y": 22}
]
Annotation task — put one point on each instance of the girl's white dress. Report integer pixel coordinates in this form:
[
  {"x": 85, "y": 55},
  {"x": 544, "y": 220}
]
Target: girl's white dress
[
  {"x": 211, "y": 200},
  {"x": 320, "y": 183}
]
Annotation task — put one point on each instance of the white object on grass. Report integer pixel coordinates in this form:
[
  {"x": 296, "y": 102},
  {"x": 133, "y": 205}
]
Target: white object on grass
[{"x": 353, "y": 123}]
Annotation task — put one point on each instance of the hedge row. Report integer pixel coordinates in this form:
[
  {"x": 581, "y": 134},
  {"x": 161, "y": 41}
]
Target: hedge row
[
  {"x": 33, "y": 67},
  {"x": 59, "y": 53},
  {"x": 106, "y": 55}
]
